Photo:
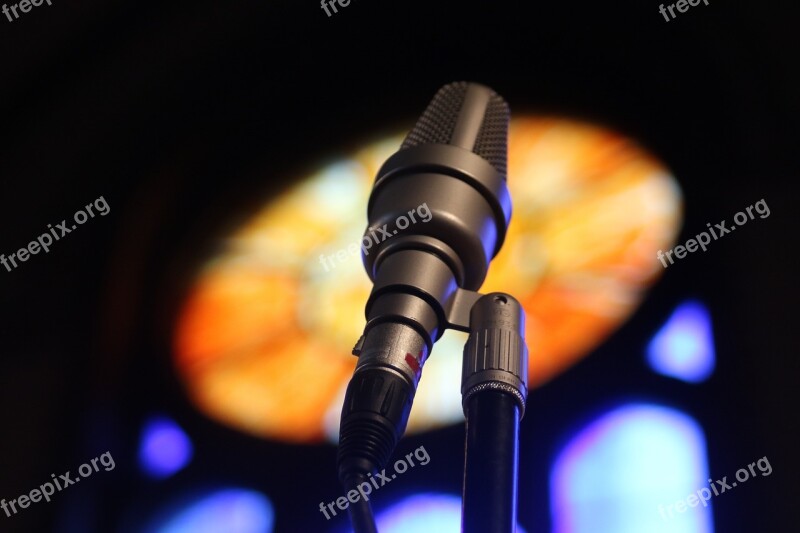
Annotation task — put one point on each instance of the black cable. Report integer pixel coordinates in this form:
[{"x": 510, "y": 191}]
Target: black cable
[{"x": 360, "y": 512}]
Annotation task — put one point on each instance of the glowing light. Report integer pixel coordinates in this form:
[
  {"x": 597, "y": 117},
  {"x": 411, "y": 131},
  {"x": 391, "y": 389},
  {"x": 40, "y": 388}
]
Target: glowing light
[
  {"x": 164, "y": 447},
  {"x": 424, "y": 513},
  {"x": 229, "y": 510},
  {"x": 591, "y": 208},
  {"x": 613, "y": 476},
  {"x": 684, "y": 347}
]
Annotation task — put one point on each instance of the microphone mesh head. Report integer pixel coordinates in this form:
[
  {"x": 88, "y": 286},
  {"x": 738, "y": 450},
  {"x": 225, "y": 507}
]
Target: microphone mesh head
[{"x": 437, "y": 124}]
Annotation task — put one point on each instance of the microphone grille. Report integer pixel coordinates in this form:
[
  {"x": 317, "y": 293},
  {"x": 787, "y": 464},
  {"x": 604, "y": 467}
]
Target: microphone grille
[
  {"x": 492, "y": 141},
  {"x": 438, "y": 123}
]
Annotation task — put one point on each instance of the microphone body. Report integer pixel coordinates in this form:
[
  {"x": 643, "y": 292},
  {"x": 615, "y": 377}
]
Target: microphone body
[{"x": 425, "y": 276}]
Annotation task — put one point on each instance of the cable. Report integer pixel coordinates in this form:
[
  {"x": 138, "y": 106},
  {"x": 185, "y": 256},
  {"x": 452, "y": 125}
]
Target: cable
[{"x": 360, "y": 512}]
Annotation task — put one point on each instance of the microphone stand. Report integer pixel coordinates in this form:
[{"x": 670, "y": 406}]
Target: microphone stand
[{"x": 494, "y": 391}]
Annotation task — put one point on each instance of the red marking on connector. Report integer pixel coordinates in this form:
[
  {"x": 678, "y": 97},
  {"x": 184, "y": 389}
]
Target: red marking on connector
[{"x": 412, "y": 362}]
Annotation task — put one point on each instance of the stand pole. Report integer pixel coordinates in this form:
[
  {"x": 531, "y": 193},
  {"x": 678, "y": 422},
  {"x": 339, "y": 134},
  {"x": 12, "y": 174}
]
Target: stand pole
[{"x": 494, "y": 391}]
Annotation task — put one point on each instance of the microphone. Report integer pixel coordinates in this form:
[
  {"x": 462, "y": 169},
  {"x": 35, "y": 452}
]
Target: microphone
[{"x": 425, "y": 276}]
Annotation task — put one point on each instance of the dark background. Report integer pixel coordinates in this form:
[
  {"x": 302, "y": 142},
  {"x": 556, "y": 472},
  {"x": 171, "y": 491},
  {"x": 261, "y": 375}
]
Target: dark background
[{"x": 183, "y": 115}]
